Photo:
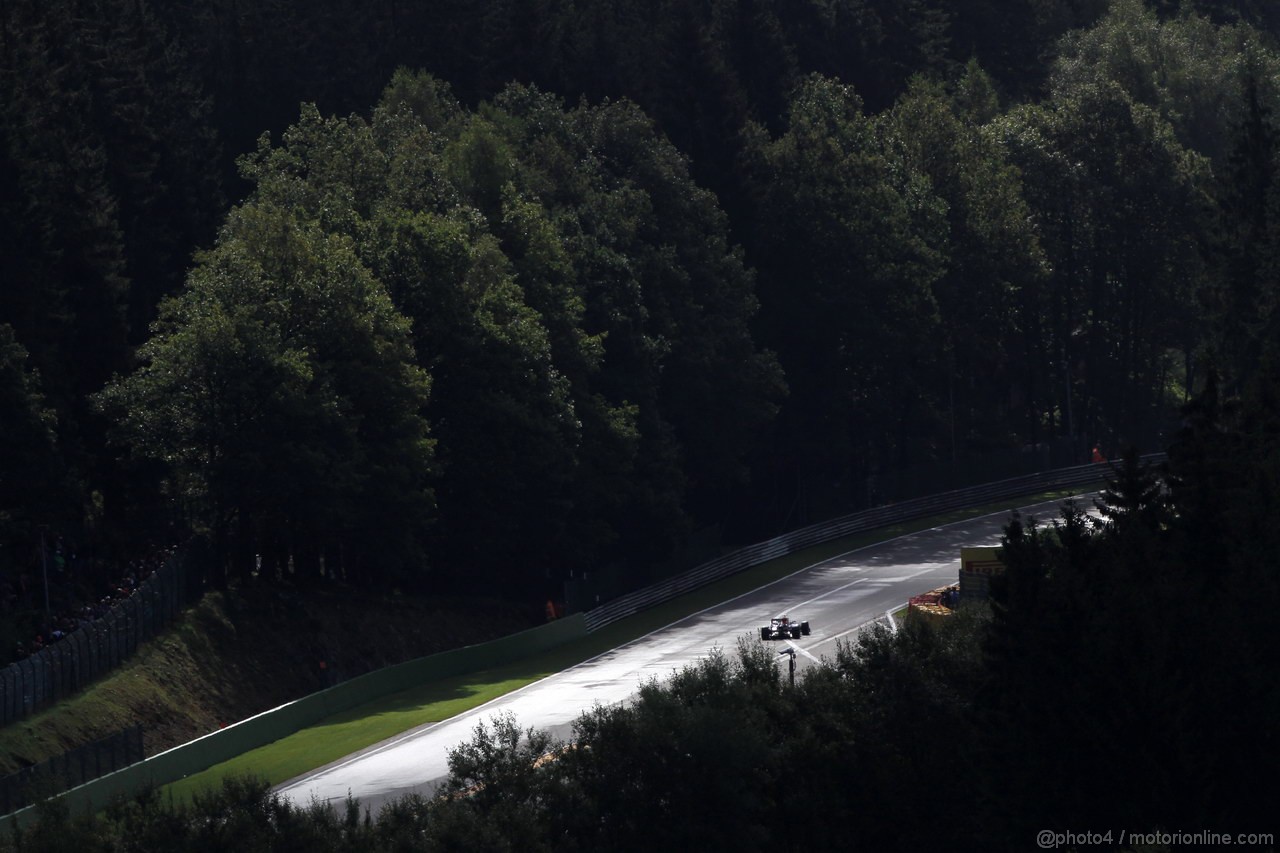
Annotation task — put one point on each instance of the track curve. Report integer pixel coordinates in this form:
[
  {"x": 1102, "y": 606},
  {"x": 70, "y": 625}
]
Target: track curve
[{"x": 836, "y": 596}]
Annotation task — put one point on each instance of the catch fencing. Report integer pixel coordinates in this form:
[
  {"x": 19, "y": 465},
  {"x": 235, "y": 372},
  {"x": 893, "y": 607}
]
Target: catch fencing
[
  {"x": 95, "y": 648},
  {"x": 72, "y": 768},
  {"x": 797, "y": 540}
]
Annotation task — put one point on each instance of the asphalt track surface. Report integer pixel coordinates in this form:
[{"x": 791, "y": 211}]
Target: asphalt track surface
[{"x": 837, "y": 596}]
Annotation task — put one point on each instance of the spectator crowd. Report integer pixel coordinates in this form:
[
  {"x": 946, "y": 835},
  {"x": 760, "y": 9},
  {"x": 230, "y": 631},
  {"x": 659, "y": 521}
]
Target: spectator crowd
[{"x": 60, "y": 591}]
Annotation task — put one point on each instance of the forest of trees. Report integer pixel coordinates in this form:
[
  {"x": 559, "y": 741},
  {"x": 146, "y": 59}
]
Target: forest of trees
[
  {"x": 461, "y": 296},
  {"x": 523, "y": 290}
]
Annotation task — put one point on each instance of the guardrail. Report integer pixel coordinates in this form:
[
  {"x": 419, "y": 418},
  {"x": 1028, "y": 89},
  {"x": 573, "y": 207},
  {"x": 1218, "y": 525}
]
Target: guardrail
[{"x": 805, "y": 537}]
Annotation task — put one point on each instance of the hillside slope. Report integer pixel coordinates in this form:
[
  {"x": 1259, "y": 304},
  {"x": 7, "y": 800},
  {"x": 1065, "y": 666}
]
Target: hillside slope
[{"x": 238, "y": 653}]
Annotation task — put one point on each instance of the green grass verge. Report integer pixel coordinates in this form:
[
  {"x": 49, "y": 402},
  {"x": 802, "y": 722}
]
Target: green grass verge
[{"x": 385, "y": 717}]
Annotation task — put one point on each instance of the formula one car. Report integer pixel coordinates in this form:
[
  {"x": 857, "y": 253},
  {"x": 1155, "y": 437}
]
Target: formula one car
[{"x": 784, "y": 628}]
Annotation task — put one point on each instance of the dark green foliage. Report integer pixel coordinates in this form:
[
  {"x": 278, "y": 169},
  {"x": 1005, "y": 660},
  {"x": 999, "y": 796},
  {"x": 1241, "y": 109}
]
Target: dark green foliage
[
  {"x": 1241, "y": 301},
  {"x": 242, "y": 815},
  {"x": 108, "y": 158},
  {"x": 571, "y": 293},
  {"x": 691, "y": 764},
  {"x": 700, "y": 69},
  {"x": 993, "y": 262},
  {"x": 280, "y": 391},
  {"x": 966, "y": 234},
  {"x": 34, "y": 484},
  {"x": 901, "y": 276},
  {"x": 1133, "y": 498},
  {"x": 1117, "y": 644},
  {"x": 847, "y": 280},
  {"x": 107, "y": 182},
  {"x": 958, "y": 233},
  {"x": 663, "y": 296},
  {"x": 493, "y": 795},
  {"x": 1186, "y": 68},
  {"x": 1120, "y": 207}
]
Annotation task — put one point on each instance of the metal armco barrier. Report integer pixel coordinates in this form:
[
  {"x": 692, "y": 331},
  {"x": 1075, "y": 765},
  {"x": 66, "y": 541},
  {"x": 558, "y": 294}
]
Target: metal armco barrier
[
  {"x": 94, "y": 649},
  {"x": 858, "y": 522}
]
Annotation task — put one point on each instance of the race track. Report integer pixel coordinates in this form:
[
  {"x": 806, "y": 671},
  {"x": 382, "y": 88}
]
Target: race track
[{"x": 836, "y": 596}]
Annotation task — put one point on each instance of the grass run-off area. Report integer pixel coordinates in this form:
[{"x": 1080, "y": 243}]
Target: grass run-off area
[{"x": 387, "y": 716}]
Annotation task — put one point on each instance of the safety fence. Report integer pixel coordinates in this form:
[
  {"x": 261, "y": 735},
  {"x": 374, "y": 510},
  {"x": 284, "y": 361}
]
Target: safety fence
[
  {"x": 72, "y": 768},
  {"x": 95, "y": 648},
  {"x": 797, "y": 540}
]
